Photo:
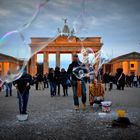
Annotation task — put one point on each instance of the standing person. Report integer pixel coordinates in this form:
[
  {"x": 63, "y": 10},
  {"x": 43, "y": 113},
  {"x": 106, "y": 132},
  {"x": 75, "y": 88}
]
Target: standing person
[
  {"x": 8, "y": 86},
  {"x": 135, "y": 81},
  {"x": 111, "y": 80},
  {"x": 76, "y": 63},
  {"x": 52, "y": 82},
  {"x": 127, "y": 81},
  {"x": 46, "y": 80},
  {"x": 64, "y": 78},
  {"x": 57, "y": 76},
  {"x": 131, "y": 79},
  {"x": 106, "y": 79},
  {"x": 91, "y": 74},
  {"x": 139, "y": 80},
  {"x": 1, "y": 83},
  {"x": 35, "y": 81},
  {"x": 23, "y": 86},
  {"x": 40, "y": 81},
  {"x": 120, "y": 79}
]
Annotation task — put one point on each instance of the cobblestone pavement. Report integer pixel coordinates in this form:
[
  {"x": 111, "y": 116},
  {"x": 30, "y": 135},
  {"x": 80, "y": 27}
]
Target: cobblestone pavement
[{"x": 55, "y": 119}]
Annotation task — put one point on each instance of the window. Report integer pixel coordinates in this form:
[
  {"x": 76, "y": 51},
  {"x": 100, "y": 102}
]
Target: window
[{"x": 132, "y": 65}]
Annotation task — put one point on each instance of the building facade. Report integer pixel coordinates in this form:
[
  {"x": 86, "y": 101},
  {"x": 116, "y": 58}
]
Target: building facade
[
  {"x": 129, "y": 62},
  {"x": 65, "y": 43},
  {"x": 8, "y": 63}
]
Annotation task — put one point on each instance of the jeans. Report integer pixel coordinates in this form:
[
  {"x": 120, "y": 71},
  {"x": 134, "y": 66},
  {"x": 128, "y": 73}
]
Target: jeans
[
  {"x": 52, "y": 88},
  {"x": 40, "y": 86},
  {"x": 8, "y": 89},
  {"x": 58, "y": 88},
  {"x": 110, "y": 86},
  {"x": 65, "y": 90},
  {"x": 75, "y": 97},
  {"x": 46, "y": 82},
  {"x": 23, "y": 101},
  {"x": 36, "y": 85}
]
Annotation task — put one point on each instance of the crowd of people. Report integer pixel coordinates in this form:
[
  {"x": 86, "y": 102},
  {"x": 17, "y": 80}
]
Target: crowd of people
[
  {"x": 53, "y": 80},
  {"x": 57, "y": 78},
  {"x": 120, "y": 80}
]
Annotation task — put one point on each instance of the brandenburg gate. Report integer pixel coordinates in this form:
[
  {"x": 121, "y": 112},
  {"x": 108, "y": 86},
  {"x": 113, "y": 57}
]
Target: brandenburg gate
[{"x": 63, "y": 44}]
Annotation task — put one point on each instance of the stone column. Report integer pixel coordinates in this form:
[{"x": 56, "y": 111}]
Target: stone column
[
  {"x": 129, "y": 67},
  {"x": 46, "y": 62},
  {"x": 58, "y": 59},
  {"x": 33, "y": 65}
]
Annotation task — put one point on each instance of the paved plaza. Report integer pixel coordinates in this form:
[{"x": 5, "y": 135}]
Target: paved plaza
[{"x": 55, "y": 119}]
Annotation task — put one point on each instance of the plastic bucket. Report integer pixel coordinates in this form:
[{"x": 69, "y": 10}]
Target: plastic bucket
[{"x": 106, "y": 106}]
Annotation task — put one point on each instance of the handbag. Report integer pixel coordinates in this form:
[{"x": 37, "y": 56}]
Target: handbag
[{"x": 68, "y": 83}]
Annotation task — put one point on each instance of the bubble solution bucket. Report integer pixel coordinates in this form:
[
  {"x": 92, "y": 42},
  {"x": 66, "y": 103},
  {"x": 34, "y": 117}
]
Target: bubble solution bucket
[
  {"x": 121, "y": 113},
  {"x": 106, "y": 106},
  {"x": 22, "y": 117}
]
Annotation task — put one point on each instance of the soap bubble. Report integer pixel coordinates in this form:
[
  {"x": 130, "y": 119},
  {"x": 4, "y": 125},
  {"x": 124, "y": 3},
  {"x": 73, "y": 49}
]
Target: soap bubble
[
  {"x": 93, "y": 69},
  {"x": 80, "y": 22},
  {"x": 14, "y": 45}
]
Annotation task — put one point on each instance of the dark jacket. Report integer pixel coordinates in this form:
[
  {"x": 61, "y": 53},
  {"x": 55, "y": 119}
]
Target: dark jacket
[
  {"x": 106, "y": 78},
  {"x": 40, "y": 78},
  {"x": 64, "y": 78},
  {"x": 120, "y": 78},
  {"x": 22, "y": 83},
  {"x": 57, "y": 76},
  {"x": 70, "y": 70},
  {"x": 51, "y": 78}
]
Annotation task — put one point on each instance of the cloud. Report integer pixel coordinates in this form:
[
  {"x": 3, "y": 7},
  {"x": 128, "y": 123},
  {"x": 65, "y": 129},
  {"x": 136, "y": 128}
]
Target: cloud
[
  {"x": 4, "y": 12},
  {"x": 114, "y": 20}
]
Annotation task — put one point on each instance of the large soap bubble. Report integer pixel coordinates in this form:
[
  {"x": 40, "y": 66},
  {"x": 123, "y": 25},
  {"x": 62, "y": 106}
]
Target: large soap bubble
[
  {"x": 14, "y": 44},
  {"x": 91, "y": 69}
]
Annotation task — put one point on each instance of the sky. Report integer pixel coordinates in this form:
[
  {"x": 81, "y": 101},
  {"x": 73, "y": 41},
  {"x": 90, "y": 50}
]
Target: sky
[{"x": 116, "y": 21}]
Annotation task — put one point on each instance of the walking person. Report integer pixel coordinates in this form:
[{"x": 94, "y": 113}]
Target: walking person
[
  {"x": 52, "y": 82},
  {"x": 57, "y": 77},
  {"x": 77, "y": 83},
  {"x": 23, "y": 86},
  {"x": 64, "y": 79}
]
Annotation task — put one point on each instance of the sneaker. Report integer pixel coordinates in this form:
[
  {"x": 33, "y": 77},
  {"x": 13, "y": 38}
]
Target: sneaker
[
  {"x": 76, "y": 107},
  {"x": 83, "y": 106}
]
